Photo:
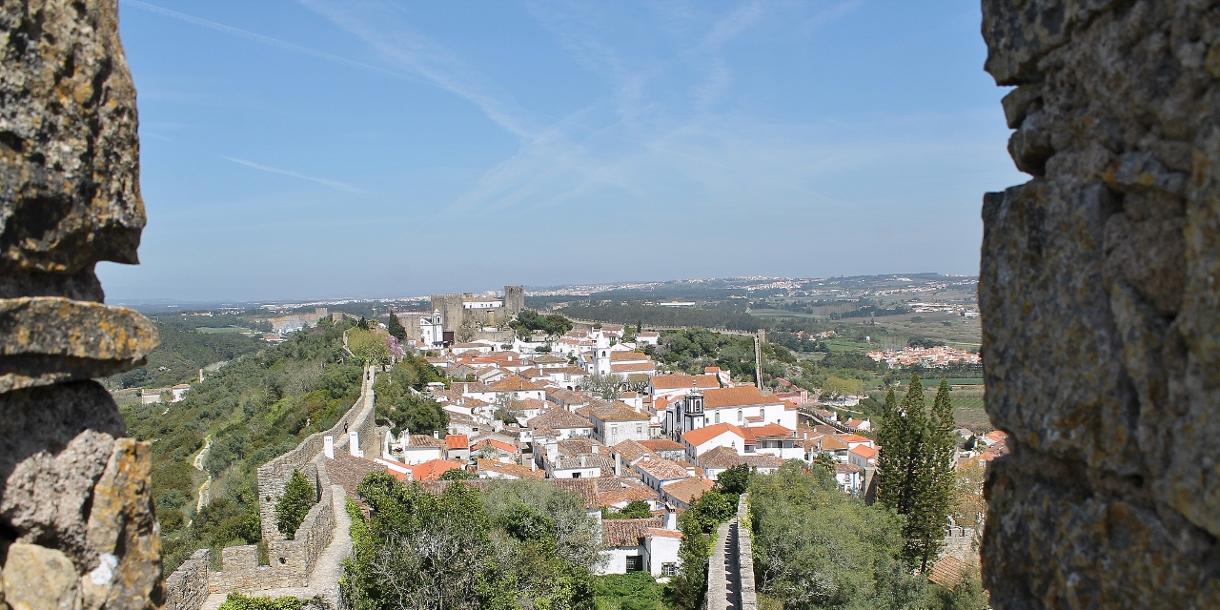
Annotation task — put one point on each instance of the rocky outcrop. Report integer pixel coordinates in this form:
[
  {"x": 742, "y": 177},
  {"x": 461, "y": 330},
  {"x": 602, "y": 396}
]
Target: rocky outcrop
[
  {"x": 1100, "y": 295},
  {"x": 76, "y": 517}
]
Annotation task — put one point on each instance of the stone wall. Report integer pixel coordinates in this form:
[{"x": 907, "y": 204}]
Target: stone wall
[
  {"x": 274, "y": 475},
  {"x": 76, "y": 521},
  {"x": 290, "y": 562},
  {"x": 1101, "y": 306}
]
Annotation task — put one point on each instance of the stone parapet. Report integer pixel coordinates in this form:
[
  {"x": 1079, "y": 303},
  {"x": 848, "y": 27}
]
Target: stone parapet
[
  {"x": 75, "y": 512},
  {"x": 1101, "y": 307}
]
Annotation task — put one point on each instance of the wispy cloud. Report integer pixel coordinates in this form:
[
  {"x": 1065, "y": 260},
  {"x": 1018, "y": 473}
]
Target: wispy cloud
[
  {"x": 263, "y": 39},
  {"x": 402, "y": 46},
  {"x": 335, "y": 184}
]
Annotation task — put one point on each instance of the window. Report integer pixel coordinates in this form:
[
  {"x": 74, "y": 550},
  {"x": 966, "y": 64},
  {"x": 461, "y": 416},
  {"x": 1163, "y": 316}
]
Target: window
[
  {"x": 669, "y": 568},
  {"x": 635, "y": 564}
]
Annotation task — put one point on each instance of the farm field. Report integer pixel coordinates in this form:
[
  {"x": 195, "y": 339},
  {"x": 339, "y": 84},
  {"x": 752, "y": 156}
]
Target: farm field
[{"x": 225, "y": 330}]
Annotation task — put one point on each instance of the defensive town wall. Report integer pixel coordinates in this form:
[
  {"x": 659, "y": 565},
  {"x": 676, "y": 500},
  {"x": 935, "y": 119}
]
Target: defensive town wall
[
  {"x": 290, "y": 562},
  {"x": 1098, "y": 291},
  {"x": 1100, "y": 299}
]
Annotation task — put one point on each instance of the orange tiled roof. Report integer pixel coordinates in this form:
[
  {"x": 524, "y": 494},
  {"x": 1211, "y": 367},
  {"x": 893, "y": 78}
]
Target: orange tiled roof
[
  {"x": 456, "y": 441},
  {"x": 433, "y": 469},
  {"x": 680, "y": 381},
  {"x": 738, "y": 396},
  {"x": 702, "y": 435}
]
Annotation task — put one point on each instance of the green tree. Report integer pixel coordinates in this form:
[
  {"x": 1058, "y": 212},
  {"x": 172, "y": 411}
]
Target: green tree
[
  {"x": 735, "y": 480},
  {"x": 290, "y": 510},
  {"x": 397, "y": 330},
  {"x": 456, "y": 474},
  {"x": 519, "y": 544},
  {"x": 237, "y": 601},
  {"x": 915, "y": 468},
  {"x": 368, "y": 346},
  {"x": 816, "y": 547},
  {"x": 635, "y": 509}
]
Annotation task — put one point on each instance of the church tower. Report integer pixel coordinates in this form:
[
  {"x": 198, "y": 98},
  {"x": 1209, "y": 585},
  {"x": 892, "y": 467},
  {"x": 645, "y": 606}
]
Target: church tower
[{"x": 692, "y": 414}]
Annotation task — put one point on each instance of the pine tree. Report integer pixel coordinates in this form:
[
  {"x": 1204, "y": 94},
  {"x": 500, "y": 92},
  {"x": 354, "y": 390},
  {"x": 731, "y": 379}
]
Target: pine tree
[{"x": 396, "y": 329}]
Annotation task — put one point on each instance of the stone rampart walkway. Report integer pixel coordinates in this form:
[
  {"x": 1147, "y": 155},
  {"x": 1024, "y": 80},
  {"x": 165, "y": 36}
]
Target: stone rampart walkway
[{"x": 323, "y": 582}]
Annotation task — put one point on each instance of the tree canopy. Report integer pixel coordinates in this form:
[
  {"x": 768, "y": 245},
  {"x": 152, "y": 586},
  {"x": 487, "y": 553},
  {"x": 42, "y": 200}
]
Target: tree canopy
[
  {"x": 519, "y": 544},
  {"x": 292, "y": 507}
]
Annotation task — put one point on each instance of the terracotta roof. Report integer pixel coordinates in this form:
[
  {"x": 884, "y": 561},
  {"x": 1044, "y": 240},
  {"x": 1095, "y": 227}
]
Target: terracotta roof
[
  {"x": 514, "y": 383},
  {"x": 433, "y": 469},
  {"x": 456, "y": 441},
  {"x": 529, "y": 404},
  {"x": 725, "y": 457},
  {"x": 664, "y": 533},
  {"x": 423, "y": 440},
  {"x": 831, "y": 442},
  {"x": 688, "y": 490},
  {"x": 680, "y": 381},
  {"x": 738, "y": 396},
  {"x": 627, "y": 356},
  {"x": 627, "y": 532},
  {"x": 614, "y": 411},
  {"x": 663, "y": 444},
  {"x": 495, "y": 443},
  {"x": 947, "y": 571},
  {"x": 698, "y": 436},
  {"x": 585, "y": 489},
  {"x": 348, "y": 471},
  {"x": 558, "y": 419},
  {"x": 847, "y": 468},
  {"x": 624, "y": 490},
  {"x": 633, "y": 367},
  {"x": 767, "y": 431},
  {"x": 864, "y": 451},
  {"x": 660, "y": 468},
  {"x": 514, "y": 470},
  {"x": 631, "y": 451}
]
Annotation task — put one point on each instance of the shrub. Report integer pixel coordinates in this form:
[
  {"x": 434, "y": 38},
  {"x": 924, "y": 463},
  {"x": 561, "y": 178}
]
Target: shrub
[{"x": 290, "y": 511}]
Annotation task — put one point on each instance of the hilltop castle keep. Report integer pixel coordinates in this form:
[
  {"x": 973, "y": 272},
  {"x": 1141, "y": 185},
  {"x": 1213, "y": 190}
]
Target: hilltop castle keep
[
  {"x": 75, "y": 513},
  {"x": 1100, "y": 300},
  {"x": 480, "y": 310}
]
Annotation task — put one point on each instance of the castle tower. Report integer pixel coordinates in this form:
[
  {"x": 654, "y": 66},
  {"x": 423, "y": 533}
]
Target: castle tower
[{"x": 514, "y": 300}]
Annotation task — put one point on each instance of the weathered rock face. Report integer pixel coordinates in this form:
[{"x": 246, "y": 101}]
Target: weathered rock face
[
  {"x": 76, "y": 521},
  {"x": 1100, "y": 294}
]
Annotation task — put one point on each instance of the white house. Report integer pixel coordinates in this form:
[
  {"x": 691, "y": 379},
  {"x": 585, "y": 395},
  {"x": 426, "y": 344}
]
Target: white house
[
  {"x": 412, "y": 448},
  {"x": 639, "y": 545},
  {"x": 615, "y": 422},
  {"x": 179, "y": 391},
  {"x": 721, "y": 459},
  {"x": 701, "y": 440}
]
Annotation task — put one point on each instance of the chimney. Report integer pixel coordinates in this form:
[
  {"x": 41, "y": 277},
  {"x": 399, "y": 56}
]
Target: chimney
[
  {"x": 595, "y": 450},
  {"x": 436, "y": 435},
  {"x": 353, "y": 444},
  {"x": 328, "y": 447},
  {"x": 618, "y": 465},
  {"x": 200, "y": 375},
  {"x": 671, "y": 518},
  {"x": 583, "y": 461}
]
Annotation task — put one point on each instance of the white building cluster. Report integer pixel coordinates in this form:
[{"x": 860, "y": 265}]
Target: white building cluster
[{"x": 644, "y": 436}]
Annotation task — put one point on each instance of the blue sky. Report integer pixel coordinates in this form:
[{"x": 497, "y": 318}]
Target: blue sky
[{"x": 328, "y": 148}]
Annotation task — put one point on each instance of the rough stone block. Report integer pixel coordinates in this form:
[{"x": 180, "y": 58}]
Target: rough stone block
[
  {"x": 47, "y": 340},
  {"x": 38, "y": 578}
]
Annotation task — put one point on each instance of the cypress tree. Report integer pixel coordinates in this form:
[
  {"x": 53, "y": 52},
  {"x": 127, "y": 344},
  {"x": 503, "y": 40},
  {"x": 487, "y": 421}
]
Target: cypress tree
[
  {"x": 396, "y": 329},
  {"x": 890, "y": 455},
  {"x": 940, "y": 473}
]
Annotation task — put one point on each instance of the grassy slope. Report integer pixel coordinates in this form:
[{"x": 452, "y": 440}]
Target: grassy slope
[{"x": 254, "y": 409}]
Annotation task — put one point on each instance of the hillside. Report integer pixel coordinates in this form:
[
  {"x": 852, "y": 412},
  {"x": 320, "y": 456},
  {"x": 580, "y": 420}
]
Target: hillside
[
  {"x": 187, "y": 344},
  {"x": 251, "y": 410}
]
